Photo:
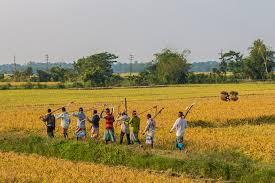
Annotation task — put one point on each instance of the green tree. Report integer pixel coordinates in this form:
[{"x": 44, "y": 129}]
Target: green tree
[
  {"x": 223, "y": 65},
  {"x": 149, "y": 76},
  {"x": 260, "y": 61},
  {"x": 29, "y": 71},
  {"x": 235, "y": 63},
  {"x": 2, "y": 76},
  {"x": 96, "y": 68},
  {"x": 57, "y": 74},
  {"x": 70, "y": 75},
  {"x": 216, "y": 71},
  {"x": 43, "y": 76},
  {"x": 171, "y": 67}
]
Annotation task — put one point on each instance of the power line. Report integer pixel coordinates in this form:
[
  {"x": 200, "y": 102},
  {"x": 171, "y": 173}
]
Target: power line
[
  {"x": 14, "y": 64},
  {"x": 47, "y": 61},
  {"x": 131, "y": 63}
]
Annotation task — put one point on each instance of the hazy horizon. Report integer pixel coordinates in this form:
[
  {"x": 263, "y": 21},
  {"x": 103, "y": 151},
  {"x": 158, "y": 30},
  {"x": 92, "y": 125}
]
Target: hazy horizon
[{"x": 69, "y": 29}]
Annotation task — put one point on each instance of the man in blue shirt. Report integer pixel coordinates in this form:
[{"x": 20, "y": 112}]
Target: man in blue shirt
[{"x": 95, "y": 125}]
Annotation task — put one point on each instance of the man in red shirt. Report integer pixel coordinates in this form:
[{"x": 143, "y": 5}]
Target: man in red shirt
[{"x": 109, "y": 134}]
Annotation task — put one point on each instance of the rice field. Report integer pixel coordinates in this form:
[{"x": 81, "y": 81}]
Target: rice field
[
  {"x": 32, "y": 168},
  {"x": 246, "y": 126}
]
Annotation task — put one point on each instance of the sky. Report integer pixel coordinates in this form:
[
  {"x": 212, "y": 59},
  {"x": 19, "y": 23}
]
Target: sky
[{"x": 70, "y": 29}]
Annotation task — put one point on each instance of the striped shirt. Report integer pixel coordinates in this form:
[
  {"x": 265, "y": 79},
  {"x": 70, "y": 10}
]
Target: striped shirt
[{"x": 109, "y": 120}]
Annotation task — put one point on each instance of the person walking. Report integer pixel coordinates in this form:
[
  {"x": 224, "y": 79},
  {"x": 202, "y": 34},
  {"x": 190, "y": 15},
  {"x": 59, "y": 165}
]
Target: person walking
[
  {"x": 109, "y": 134},
  {"x": 134, "y": 127},
  {"x": 150, "y": 130},
  {"x": 65, "y": 121},
  {"x": 49, "y": 120},
  {"x": 124, "y": 122},
  {"x": 95, "y": 125},
  {"x": 81, "y": 124},
  {"x": 179, "y": 125}
]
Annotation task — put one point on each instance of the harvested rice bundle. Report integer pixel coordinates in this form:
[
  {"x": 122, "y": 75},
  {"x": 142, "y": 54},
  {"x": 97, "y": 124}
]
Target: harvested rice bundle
[
  {"x": 225, "y": 96},
  {"x": 234, "y": 95}
]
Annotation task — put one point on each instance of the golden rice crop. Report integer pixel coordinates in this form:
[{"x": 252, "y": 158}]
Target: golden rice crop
[
  {"x": 212, "y": 117},
  {"x": 32, "y": 168}
]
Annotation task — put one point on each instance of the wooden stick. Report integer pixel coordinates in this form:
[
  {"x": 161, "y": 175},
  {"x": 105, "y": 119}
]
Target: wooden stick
[
  {"x": 125, "y": 105},
  {"x": 62, "y": 107},
  {"x": 156, "y": 107},
  {"x": 59, "y": 108},
  {"x": 189, "y": 109},
  {"x": 158, "y": 113}
]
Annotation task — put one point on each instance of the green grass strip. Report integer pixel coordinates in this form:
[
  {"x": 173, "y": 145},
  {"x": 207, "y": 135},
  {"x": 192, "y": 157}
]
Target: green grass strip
[{"x": 215, "y": 165}]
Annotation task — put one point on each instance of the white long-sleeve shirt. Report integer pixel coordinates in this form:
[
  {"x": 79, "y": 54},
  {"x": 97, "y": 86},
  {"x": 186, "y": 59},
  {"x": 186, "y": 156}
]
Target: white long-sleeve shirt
[
  {"x": 179, "y": 125},
  {"x": 65, "y": 119}
]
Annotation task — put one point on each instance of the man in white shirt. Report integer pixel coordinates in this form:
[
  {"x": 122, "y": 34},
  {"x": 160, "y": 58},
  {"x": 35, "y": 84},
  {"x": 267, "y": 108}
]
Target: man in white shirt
[
  {"x": 65, "y": 121},
  {"x": 179, "y": 125}
]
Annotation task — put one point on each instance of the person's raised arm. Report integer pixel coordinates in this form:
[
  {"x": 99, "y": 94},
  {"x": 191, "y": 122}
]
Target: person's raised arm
[
  {"x": 90, "y": 120},
  {"x": 119, "y": 118},
  {"x": 44, "y": 118},
  {"x": 75, "y": 114},
  {"x": 113, "y": 108},
  {"x": 59, "y": 116},
  {"x": 41, "y": 117},
  {"x": 101, "y": 114}
]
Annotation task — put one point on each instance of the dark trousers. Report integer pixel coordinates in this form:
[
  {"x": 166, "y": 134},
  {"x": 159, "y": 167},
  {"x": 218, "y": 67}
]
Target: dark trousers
[
  {"x": 65, "y": 133},
  {"x": 50, "y": 130},
  {"x": 127, "y": 136}
]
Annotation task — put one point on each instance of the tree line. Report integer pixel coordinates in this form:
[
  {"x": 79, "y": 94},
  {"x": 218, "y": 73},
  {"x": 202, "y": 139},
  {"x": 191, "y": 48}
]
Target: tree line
[
  {"x": 118, "y": 67},
  {"x": 168, "y": 67},
  {"x": 257, "y": 65},
  {"x": 171, "y": 67}
]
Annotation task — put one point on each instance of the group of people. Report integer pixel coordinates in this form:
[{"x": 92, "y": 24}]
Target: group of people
[{"x": 130, "y": 126}]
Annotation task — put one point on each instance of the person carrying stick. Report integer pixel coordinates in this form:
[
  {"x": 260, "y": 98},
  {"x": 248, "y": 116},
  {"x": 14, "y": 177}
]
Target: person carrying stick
[
  {"x": 65, "y": 121},
  {"x": 135, "y": 127},
  {"x": 81, "y": 124},
  {"x": 150, "y": 129},
  {"x": 109, "y": 134},
  {"x": 49, "y": 121},
  {"x": 95, "y": 125},
  {"x": 179, "y": 125},
  {"x": 123, "y": 119}
]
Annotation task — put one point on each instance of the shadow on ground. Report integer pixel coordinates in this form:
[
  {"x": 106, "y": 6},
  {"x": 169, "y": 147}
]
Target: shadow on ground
[{"x": 233, "y": 122}]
